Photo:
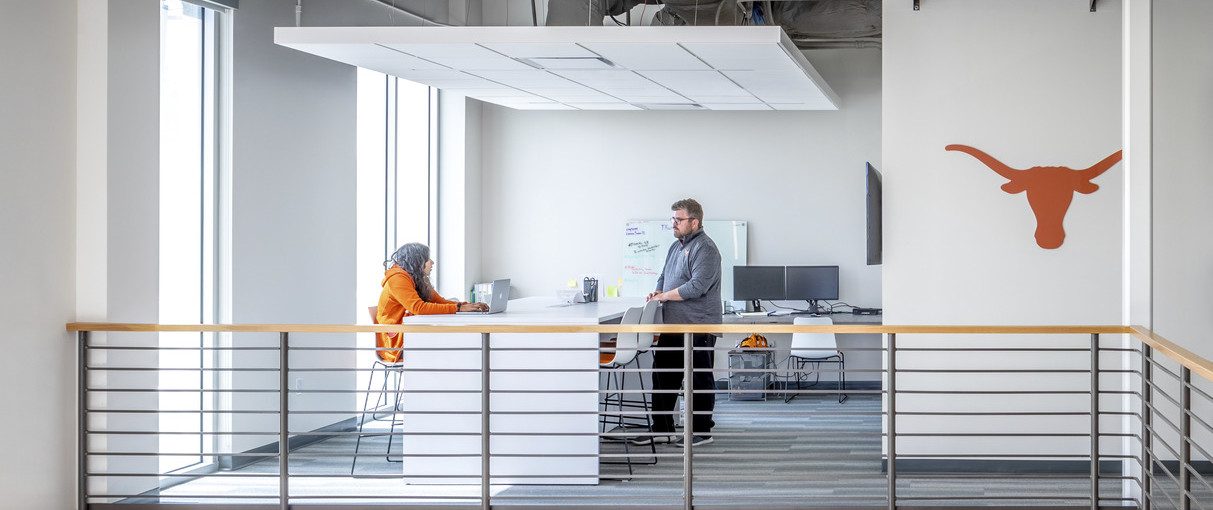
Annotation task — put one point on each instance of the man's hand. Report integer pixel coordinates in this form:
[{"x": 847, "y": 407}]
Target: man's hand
[{"x": 671, "y": 295}]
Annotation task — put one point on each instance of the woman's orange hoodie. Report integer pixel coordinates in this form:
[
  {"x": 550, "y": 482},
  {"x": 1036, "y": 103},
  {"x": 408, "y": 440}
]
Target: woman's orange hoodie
[{"x": 400, "y": 299}]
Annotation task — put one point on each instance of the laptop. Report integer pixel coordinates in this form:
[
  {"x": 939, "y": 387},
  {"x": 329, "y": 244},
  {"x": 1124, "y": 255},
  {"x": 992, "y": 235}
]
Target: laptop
[{"x": 497, "y": 300}]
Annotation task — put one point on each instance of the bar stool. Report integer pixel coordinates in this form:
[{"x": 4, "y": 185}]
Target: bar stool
[
  {"x": 620, "y": 353},
  {"x": 390, "y": 370}
]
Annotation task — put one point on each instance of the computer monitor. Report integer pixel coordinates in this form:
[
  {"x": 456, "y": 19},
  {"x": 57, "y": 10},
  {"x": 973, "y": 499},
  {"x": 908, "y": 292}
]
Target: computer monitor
[
  {"x": 811, "y": 283},
  {"x": 755, "y": 283}
]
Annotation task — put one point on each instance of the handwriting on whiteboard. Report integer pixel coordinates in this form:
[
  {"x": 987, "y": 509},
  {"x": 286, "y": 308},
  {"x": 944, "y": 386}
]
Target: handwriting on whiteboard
[
  {"x": 646, "y": 242},
  {"x": 634, "y": 270},
  {"x": 643, "y": 246}
]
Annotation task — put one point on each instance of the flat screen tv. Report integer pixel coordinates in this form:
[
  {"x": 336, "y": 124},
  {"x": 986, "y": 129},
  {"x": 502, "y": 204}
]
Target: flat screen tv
[{"x": 875, "y": 235}]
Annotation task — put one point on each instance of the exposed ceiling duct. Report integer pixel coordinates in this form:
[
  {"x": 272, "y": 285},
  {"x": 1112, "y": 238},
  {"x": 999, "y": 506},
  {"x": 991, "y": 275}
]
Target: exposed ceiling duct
[{"x": 810, "y": 23}]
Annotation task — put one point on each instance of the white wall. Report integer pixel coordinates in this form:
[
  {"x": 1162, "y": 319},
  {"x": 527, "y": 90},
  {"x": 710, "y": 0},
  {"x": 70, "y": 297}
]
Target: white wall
[
  {"x": 294, "y": 175},
  {"x": 459, "y": 195},
  {"x": 558, "y": 186},
  {"x": 37, "y": 213},
  {"x": 1032, "y": 83},
  {"x": 1183, "y": 237},
  {"x": 959, "y": 250},
  {"x": 132, "y": 233},
  {"x": 92, "y": 91},
  {"x": 1183, "y": 126}
]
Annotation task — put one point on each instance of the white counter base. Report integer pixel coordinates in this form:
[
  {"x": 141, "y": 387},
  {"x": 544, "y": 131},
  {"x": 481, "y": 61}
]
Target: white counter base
[{"x": 456, "y": 459}]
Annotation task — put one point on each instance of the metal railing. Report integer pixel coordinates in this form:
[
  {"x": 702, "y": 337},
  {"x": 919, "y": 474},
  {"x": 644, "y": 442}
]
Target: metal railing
[{"x": 1078, "y": 416}]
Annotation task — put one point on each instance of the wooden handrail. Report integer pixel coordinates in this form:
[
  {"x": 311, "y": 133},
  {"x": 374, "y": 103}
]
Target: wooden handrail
[
  {"x": 589, "y": 328},
  {"x": 1195, "y": 363},
  {"x": 1187, "y": 358}
]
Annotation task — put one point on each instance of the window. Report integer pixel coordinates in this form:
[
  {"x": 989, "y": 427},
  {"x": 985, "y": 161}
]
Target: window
[
  {"x": 408, "y": 170},
  {"x": 188, "y": 169},
  {"x": 396, "y": 181}
]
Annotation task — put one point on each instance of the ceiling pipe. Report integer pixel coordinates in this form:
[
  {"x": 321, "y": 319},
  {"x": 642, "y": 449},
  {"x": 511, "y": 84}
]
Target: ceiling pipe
[
  {"x": 681, "y": 10},
  {"x": 845, "y": 21},
  {"x": 824, "y": 44},
  {"x": 411, "y": 14}
]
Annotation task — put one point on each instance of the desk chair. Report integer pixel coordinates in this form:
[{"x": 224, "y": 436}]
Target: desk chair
[
  {"x": 618, "y": 353},
  {"x": 390, "y": 370},
  {"x": 815, "y": 348}
]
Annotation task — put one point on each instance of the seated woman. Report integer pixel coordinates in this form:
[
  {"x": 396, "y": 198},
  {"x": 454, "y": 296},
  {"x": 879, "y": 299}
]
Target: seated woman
[{"x": 407, "y": 291}]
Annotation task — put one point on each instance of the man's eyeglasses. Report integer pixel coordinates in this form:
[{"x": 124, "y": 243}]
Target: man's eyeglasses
[{"x": 678, "y": 220}]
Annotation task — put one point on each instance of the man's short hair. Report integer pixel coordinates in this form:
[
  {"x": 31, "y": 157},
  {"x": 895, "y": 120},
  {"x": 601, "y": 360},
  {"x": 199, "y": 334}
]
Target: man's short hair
[{"x": 693, "y": 209}]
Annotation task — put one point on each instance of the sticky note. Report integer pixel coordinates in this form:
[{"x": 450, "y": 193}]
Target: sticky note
[{"x": 612, "y": 291}]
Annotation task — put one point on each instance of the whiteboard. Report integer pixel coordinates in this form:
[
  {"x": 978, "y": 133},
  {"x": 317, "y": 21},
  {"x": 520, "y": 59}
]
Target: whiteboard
[{"x": 646, "y": 242}]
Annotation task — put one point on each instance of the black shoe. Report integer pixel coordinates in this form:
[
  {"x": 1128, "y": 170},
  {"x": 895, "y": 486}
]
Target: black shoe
[
  {"x": 648, "y": 440},
  {"x": 695, "y": 441}
]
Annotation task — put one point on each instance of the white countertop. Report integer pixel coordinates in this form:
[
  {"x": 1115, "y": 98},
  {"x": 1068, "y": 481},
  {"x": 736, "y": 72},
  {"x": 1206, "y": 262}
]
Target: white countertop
[{"x": 539, "y": 310}]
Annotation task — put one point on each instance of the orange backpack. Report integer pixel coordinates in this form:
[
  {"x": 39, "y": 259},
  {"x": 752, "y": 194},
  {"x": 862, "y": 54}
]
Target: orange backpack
[{"x": 754, "y": 341}]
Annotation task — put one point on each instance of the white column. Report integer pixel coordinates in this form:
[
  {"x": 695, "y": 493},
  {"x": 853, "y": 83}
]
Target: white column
[{"x": 1136, "y": 280}]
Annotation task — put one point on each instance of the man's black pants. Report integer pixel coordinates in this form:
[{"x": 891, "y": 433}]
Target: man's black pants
[{"x": 702, "y": 382}]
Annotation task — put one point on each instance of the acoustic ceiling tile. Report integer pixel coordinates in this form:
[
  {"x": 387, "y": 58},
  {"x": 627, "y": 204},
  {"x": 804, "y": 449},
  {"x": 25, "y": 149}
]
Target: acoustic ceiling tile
[
  {"x": 654, "y": 65},
  {"x": 448, "y": 78},
  {"x": 604, "y": 106},
  {"x": 753, "y": 56},
  {"x": 697, "y": 83},
  {"x": 539, "y": 49},
  {"x": 372, "y": 56},
  {"x": 777, "y": 86},
  {"x": 465, "y": 56},
  {"x": 650, "y": 56}
]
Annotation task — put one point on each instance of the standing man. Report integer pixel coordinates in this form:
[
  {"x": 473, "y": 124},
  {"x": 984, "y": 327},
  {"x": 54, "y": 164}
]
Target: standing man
[{"x": 689, "y": 287}]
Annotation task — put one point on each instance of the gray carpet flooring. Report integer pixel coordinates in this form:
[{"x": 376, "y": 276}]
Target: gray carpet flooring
[{"x": 812, "y": 452}]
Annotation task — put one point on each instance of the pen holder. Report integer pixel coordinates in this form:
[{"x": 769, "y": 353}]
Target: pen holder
[{"x": 590, "y": 290}]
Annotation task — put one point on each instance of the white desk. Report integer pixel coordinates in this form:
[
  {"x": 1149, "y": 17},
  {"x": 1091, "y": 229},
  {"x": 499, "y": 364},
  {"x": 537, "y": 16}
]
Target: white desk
[{"x": 420, "y": 408}]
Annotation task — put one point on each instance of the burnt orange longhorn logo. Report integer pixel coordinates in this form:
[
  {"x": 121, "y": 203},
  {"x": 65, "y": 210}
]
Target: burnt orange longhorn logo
[{"x": 1050, "y": 190}]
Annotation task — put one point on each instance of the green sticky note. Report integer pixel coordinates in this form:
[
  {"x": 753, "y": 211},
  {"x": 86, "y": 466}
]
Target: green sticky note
[{"x": 612, "y": 291}]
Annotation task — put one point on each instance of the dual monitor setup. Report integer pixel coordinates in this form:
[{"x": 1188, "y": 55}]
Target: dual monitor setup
[{"x": 810, "y": 283}]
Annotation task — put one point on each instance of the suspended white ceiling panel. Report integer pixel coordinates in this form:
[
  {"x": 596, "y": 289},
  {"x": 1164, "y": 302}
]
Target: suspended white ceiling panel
[{"x": 586, "y": 68}]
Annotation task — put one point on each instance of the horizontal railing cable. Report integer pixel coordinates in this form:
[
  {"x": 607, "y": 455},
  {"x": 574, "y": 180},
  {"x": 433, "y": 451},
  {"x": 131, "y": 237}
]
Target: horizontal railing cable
[{"x": 790, "y": 443}]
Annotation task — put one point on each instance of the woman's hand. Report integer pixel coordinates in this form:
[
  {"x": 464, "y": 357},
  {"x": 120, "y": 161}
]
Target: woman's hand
[{"x": 473, "y": 307}]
